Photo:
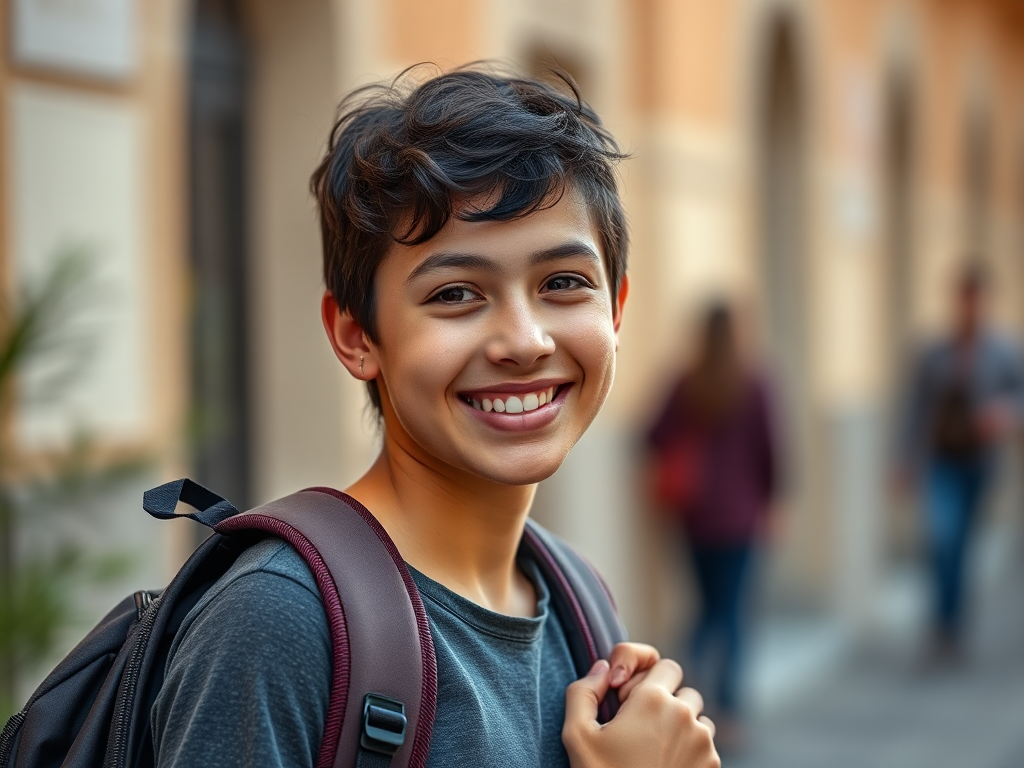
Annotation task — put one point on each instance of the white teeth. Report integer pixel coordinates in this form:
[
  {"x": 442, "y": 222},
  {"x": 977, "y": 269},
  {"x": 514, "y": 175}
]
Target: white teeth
[{"x": 514, "y": 404}]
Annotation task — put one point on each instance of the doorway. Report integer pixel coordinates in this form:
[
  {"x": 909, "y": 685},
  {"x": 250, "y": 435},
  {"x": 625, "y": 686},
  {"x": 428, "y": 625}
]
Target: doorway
[{"x": 219, "y": 437}]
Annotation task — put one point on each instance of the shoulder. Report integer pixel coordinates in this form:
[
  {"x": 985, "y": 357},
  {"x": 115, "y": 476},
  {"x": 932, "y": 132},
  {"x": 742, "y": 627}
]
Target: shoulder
[
  {"x": 266, "y": 607},
  {"x": 254, "y": 656},
  {"x": 278, "y": 558},
  {"x": 267, "y": 602},
  {"x": 551, "y": 543},
  {"x": 581, "y": 577},
  {"x": 268, "y": 579}
]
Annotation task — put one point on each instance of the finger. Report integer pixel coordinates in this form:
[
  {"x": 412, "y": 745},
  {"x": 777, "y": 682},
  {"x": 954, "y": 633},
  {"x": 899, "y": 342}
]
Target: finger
[
  {"x": 632, "y": 683},
  {"x": 692, "y": 698},
  {"x": 583, "y": 697},
  {"x": 708, "y": 723},
  {"x": 665, "y": 674},
  {"x": 627, "y": 658}
]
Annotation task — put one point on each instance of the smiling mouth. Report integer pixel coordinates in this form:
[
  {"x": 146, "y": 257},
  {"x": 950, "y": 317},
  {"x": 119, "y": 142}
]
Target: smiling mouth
[{"x": 513, "y": 404}]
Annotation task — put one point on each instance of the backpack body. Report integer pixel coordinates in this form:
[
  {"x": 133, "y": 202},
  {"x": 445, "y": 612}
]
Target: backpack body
[{"x": 93, "y": 710}]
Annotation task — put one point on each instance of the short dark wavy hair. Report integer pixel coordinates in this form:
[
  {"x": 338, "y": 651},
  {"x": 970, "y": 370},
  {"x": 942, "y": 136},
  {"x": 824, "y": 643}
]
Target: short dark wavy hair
[{"x": 405, "y": 156}]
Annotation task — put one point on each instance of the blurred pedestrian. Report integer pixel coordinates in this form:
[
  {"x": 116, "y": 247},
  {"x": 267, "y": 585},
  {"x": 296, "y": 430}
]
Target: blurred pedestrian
[
  {"x": 964, "y": 396},
  {"x": 714, "y": 475}
]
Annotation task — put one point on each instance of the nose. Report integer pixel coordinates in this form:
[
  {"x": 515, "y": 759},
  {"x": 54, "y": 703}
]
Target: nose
[{"x": 520, "y": 336}]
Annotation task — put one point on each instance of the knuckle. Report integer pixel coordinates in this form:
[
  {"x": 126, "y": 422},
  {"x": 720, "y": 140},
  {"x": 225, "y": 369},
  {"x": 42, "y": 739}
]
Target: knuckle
[
  {"x": 570, "y": 736},
  {"x": 572, "y": 733},
  {"x": 653, "y": 698},
  {"x": 684, "y": 712},
  {"x": 707, "y": 738},
  {"x": 655, "y": 654},
  {"x": 575, "y": 738},
  {"x": 673, "y": 665},
  {"x": 696, "y": 701}
]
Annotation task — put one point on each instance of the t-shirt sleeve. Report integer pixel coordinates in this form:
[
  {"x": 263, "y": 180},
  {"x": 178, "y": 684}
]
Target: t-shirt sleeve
[{"x": 249, "y": 683}]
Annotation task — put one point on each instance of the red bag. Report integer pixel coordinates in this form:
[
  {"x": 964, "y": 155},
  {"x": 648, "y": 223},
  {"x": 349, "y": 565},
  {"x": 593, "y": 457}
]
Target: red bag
[{"x": 677, "y": 474}]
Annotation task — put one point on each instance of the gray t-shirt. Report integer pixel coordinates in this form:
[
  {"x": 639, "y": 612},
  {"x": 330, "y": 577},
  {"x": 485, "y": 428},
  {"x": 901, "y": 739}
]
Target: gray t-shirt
[{"x": 248, "y": 676}]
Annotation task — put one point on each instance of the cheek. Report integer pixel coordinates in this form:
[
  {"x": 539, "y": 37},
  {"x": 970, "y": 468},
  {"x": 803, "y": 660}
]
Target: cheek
[
  {"x": 590, "y": 340},
  {"x": 422, "y": 360}
]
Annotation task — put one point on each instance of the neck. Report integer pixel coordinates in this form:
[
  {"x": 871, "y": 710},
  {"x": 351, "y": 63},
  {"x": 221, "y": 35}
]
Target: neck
[{"x": 457, "y": 528}]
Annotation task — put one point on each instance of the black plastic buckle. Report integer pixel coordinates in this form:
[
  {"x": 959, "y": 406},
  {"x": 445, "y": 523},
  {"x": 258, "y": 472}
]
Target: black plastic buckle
[{"x": 384, "y": 724}]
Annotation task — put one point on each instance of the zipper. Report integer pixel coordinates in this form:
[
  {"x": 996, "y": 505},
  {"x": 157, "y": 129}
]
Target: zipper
[
  {"x": 120, "y": 724},
  {"x": 142, "y": 600},
  {"x": 10, "y": 731}
]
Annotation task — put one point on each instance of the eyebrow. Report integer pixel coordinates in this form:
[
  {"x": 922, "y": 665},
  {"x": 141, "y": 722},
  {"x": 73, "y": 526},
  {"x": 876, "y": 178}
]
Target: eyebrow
[{"x": 440, "y": 261}]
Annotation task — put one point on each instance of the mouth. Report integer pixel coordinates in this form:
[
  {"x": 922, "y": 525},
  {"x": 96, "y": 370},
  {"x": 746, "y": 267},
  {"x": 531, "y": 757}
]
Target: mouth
[{"x": 514, "y": 404}]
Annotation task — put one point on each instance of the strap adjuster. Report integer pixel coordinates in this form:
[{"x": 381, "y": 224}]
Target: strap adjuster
[{"x": 384, "y": 724}]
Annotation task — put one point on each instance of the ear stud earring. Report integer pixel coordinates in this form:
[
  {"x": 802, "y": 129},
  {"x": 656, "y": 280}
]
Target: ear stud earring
[{"x": 361, "y": 360}]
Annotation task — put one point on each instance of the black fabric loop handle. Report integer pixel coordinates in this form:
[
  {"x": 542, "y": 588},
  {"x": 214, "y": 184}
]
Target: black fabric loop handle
[{"x": 162, "y": 501}]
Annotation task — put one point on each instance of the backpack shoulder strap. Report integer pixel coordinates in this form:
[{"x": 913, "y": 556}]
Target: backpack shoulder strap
[
  {"x": 384, "y": 687},
  {"x": 583, "y": 599}
]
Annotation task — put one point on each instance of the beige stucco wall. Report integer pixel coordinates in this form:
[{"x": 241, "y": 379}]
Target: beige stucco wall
[{"x": 678, "y": 82}]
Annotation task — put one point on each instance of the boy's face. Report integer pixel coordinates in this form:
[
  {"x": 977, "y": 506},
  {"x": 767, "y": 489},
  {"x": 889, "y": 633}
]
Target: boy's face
[{"x": 497, "y": 342}]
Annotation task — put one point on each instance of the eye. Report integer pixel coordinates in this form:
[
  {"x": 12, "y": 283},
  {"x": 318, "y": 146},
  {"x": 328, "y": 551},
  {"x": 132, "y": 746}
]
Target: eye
[
  {"x": 566, "y": 283},
  {"x": 455, "y": 294}
]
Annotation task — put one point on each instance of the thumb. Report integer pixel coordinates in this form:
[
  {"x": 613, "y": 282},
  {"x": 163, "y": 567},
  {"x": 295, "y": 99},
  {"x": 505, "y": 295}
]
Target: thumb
[{"x": 583, "y": 697}]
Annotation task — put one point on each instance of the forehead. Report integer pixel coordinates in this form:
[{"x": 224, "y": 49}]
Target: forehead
[{"x": 566, "y": 221}]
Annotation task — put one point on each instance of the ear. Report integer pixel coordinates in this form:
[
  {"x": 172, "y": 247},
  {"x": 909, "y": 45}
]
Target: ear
[
  {"x": 620, "y": 303},
  {"x": 348, "y": 340}
]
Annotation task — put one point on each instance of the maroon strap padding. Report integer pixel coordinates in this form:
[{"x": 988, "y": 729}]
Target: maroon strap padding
[
  {"x": 378, "y": 626},
  {"x": 586, "y": 597},
  {"x": 562, "y": 584}
]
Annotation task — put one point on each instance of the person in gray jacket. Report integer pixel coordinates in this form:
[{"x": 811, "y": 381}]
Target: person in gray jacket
[{"x": 965, "y": 396}]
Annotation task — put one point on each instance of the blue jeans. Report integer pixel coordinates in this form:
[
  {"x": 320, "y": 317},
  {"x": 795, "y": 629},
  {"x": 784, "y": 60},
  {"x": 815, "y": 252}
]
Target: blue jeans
[
  {"x": 953, "y": 495},
  {"x": 722, "y": 579}
]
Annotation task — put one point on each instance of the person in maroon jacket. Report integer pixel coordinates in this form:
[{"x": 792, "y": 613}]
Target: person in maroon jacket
[{"x": 716, "y": 465}]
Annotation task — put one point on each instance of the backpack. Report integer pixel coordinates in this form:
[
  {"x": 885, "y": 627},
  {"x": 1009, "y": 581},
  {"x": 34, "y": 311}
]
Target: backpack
[{"x": 93, "y": 709}]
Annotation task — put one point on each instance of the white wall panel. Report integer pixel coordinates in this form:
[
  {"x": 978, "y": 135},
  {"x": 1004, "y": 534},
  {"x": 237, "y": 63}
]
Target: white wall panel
[
  {"x": 89, "y": 37},
  {"x": 76, "y": 181}
]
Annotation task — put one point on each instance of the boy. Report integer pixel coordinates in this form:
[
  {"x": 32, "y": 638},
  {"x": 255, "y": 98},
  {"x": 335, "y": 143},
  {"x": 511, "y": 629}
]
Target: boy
[{"x": 474, "y": 257}]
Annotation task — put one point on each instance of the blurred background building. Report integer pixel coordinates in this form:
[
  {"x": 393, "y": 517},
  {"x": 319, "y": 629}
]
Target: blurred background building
[{"x": 824, "y": 163}]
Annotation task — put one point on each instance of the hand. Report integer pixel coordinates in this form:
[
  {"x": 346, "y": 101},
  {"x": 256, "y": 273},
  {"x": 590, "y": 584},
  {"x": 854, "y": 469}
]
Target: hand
[
  {"x": 627, "y": 660},
  {"x": 659, "y": 726}
]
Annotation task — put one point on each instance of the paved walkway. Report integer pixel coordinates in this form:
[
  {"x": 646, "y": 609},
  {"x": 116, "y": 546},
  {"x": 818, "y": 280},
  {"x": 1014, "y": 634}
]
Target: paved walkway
[{"x": 888, "y": 710}]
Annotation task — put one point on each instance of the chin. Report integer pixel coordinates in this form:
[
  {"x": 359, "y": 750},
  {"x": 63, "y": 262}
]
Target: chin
[{"x": 522, "y": 472}]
